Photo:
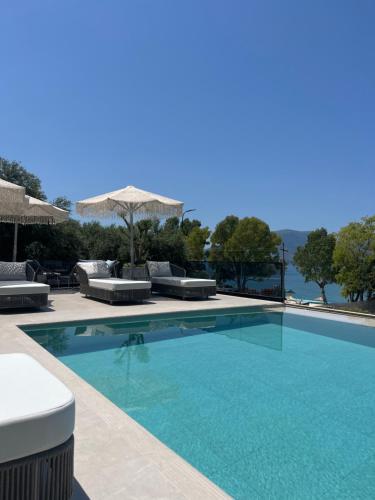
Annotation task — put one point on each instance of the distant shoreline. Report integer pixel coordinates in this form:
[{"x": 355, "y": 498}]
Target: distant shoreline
[{"x": 310, "y": 291}]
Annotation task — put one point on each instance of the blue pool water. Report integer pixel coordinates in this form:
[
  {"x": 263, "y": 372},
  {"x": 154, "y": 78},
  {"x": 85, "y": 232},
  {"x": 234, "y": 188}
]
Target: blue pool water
[{"x": 266, "y": 404}]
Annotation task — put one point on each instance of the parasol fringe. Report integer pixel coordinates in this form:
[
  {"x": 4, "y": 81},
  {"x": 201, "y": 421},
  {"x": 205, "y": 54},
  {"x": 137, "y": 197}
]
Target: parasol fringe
[{"x": 25, "y": 220}]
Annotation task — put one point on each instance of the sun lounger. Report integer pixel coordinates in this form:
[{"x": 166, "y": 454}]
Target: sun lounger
[
  {"x": 169, "y": 279},
  {"x": 18, "y": 288},
  {"x": 37, "y": 415},
  {"x": 96, "y": 282}
]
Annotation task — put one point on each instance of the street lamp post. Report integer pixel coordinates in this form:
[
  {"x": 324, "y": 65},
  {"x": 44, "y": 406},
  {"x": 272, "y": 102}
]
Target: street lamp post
[
  {"x": 186, "y": 212},
  {"x": 284, "y": 251}
]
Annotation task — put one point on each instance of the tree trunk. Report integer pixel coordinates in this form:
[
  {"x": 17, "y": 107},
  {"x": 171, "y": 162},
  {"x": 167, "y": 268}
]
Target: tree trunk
[
  {"x": 323, "y": 293},
  {"x": 244, "y": 280},
  {"x": 238, "y": 278},
  {"x": 237, "y": 273}
]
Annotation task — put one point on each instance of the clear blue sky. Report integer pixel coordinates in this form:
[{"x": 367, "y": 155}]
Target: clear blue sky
[{"x": 251, "y": 107}]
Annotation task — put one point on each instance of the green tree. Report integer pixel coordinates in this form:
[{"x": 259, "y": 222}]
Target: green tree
[
  {"x": 247, "y": 245},
  {"x": 252, "y": 241},
  {"x": 63, "y": 202},
  {"x": 12, "y": 171},
  {"x": 61, "y": 242},
  {"x": 35, "y": 250},
  {"x": 188, "y": 225},
  {"x": 168, "y": 243},
  {"x": 156, "y": 241},
  {"x": 314, "y": 260},
  {"x": 220, "y": 237},
  {"x": 354, "y": 259},
  {"x": 196, "y": 241},
  {"x": 171, "y": 225},
  {"x": 144, "y": 231},
  {"x": 103, "y": 242}
]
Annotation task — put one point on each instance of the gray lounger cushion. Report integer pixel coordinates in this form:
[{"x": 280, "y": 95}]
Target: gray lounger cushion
[
  {"x": 36, "y": 411},
  {"x": 158, "y": 268},
  {"x": 183, "y": 282},
  {"x": 115, "y": 284},
  {"x": 22, "y": 288},
  {"x": 13, "y": 271},
  {"x": 95, "y": 269}
]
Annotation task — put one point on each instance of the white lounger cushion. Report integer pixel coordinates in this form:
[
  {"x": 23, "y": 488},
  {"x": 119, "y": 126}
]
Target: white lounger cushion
[
  {"x": 22, "y": 287},
  {"x": 183, "y": 282},
  {"x": 36, "y": 409},
  {"x": 114, "y": 284}
]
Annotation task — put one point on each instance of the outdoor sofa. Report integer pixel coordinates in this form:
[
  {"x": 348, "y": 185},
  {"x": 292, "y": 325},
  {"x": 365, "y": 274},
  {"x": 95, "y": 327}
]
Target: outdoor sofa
[
  {"x": 171, "y": 280},
  {"x": 18, "y": 288},
  {"x": 96, "y": 281},
  {"x": 37, "y": 414}
]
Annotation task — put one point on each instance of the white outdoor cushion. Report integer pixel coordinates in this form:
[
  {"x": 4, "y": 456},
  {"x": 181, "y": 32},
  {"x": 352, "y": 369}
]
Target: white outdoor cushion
[
  {"x": 22, "y": 287},
  {"x": 183, "y": 282},
  {"x": 36, "y": 409},
  {"x": 119, "y": 284}
]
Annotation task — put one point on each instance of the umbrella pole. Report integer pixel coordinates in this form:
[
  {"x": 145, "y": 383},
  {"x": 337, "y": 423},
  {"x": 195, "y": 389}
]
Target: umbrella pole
[
  {"x": 15, "y": 241},
  {"x": 131, "y": 223}
]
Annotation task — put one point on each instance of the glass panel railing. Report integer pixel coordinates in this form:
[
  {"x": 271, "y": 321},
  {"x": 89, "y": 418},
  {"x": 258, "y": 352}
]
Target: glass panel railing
[{"x": 258, "y": 279}]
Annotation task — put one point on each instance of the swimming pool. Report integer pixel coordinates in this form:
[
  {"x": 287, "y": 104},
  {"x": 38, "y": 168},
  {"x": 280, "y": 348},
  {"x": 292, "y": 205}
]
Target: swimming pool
[{"x": 266, "y": 404}]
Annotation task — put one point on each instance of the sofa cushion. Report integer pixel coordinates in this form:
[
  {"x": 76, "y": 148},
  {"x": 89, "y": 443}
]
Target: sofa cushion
[
  {"x": 37, "y": 410},
  {"x": 22, "y": 288},
  {"x": 183, "y": 282},
  {"x": 95, "y": 269},
  {"x": 115, "y": 284},
  {"x": 13, "y": 271},
  {"x": 158, "y": 268}
]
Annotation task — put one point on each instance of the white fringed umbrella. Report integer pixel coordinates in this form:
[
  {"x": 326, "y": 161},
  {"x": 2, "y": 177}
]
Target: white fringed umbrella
[
  {"x": 129, "y": 203},
  {"x": 11, "y": 193},
  {"x": 12, "y": 198},
  {"x": 44, "y": 213},
  {"x": 26, "y": 210},
  {"x": 33, "y": 211}
]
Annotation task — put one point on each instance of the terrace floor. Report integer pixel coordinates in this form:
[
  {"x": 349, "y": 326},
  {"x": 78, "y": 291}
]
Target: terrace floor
[{"x": 115, "y": 457}]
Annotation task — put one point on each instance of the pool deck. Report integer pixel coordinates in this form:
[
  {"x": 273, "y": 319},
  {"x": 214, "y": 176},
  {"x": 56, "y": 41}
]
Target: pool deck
[{"x": 115, "y": 457}]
